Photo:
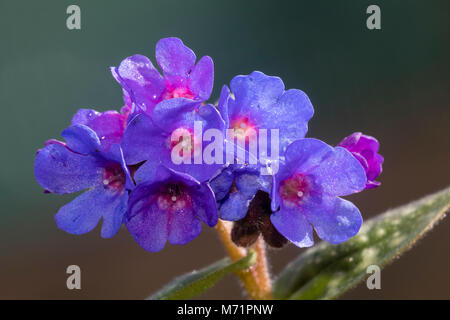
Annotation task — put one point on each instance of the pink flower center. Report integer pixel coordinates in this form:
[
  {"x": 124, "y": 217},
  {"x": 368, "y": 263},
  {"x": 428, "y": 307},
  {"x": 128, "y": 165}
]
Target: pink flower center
[
  {"x": 294, "y": 189},
  {"x": 114, "y": 177},
  {"x": 174, "y": 197},
  {"x": 185, "y": 142},
  {"x": 179, "y": 92},
  {"x": 243, "y": 128}
]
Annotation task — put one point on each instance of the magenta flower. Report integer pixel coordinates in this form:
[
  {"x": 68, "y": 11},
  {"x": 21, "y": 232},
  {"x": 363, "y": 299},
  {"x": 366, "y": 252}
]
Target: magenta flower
[
  {"x": 306, "y": 192},
  {"x": 109, "y": 125},
  {"x": 167, "y": 205},
  {"x": 144, "y": 86},
  {"x": 80, "y": 164},
  {"x": 365, "y": 149}
]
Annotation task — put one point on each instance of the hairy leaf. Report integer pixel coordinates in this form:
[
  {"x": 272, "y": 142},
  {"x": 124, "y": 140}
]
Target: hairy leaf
[
  {"x": 326, "y": 271},
  {"x": 192, "y": 284}
]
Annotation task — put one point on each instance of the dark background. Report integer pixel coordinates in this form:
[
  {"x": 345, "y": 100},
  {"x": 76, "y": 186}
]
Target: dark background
[{"x": 391, "y": 83}]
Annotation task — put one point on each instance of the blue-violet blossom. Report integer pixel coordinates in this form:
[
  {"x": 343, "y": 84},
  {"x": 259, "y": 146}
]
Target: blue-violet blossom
[
  {"x": 306, "y": 192},
  {"x": 80, "y": 164}
]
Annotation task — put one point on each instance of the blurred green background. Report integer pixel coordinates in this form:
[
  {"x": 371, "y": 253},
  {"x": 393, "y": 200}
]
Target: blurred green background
[{"x": 391, "y": 83}]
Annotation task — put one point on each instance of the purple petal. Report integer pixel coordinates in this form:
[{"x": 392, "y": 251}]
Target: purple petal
[
  {"x": 81, "y": 139},
  {"x": 109, "y": 126},
  {"x": 82, "y": 214},
  {"x": 60, "y": 170},
  {"x": 335, "y": 220},
  {"x": 201, "y": 79},
  {"x": 140, "y": 79},
  {"x": 174, "y": 58},
  {"x": 365, "y": 149},
  {"x": 293, "y": 225},
  {"x": 222, "y": 105}
]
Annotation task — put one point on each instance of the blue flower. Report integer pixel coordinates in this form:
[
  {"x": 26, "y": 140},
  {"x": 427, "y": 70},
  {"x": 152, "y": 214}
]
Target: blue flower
[
  {"x": 235, "y": 187},
  {"x": 150, "y": 138},
  {"x": 79, "y": 164},
  {"x": 306, "y": 192},
  {"x": 258, "y": 101}
]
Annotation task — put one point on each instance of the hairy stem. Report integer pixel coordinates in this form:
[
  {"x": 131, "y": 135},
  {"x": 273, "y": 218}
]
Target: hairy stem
[
  {"x": 255, "y": 279},
  {"x": 262, "y": 270}
]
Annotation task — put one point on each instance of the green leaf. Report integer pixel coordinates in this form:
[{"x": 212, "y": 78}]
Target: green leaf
[
  {"x": 327, "y": 271},
  {"x": 196, "y": 282}
]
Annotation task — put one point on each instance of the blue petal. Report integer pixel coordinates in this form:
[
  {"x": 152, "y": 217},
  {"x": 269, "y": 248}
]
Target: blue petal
[
  {"x": 143, "y": 140},
  {"x": 205, "y": 206},
  {"x": 340, "y": 173},
  {"x": 305, "y": 154},
  {"x": 81, "y": 139},
  {"x": 113, "y": 219},
  {"x": 222, "y": 105},
  {"x": 292, "y": 224},
  {"x": 221, "y": 183},
  {"x": 335, "y": 220},
  {"x": 249, "y": 184},
  {"x": 262, "y": 100},
  {"x": 254, "y": 92},
  {"x": 82, "y": 214},
  {"x": 184, "y": 226},
  {"x": 60, "y": 170},
  {"x": 235, "y": 207},
  {"x": 148, "y": 225}
]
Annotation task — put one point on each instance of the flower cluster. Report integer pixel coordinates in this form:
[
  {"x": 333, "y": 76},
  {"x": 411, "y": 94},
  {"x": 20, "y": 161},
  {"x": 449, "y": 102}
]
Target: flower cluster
[{"x": 124, "y": 161}]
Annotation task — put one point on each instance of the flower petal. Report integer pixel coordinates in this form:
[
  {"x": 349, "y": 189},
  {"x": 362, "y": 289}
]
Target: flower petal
[
  {"x": 339, "y": 173},
  {"x": 254, "y": 92},
  {"x": 109, "y": 126},
  {"x": 292, "y": 224},
  {"x": 335, "y": 220},
  {"x": 201, "y": 79},
  {"x": 60, "y": 170},
  {"x": 81, "y": 139},
  {"x": 113, "y": 219},
  {"x": 139, "y": 78},
  {"x": 235, "y": 207},
  {"x": 184, "y": 226},
  {"x": 174, "y": 58},
  {"x": 205, "y": 206},
  {"x": 305, "y": 154},
  {"x": 82, "y": 214},
  {"x": 221, "y": 183},
  {"x": 143, "y": 140},
  {"x": 148, "y": 225}
]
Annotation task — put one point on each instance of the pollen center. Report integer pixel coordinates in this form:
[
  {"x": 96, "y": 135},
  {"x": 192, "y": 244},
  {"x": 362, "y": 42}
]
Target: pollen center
[
  {"x": 114, "y": 177},
  {"x": 243, "y": 128},
  {"x": 294, "y": 189},
  {"x": 179, "y": 92},
  {"x": 174, "y": 197}
]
